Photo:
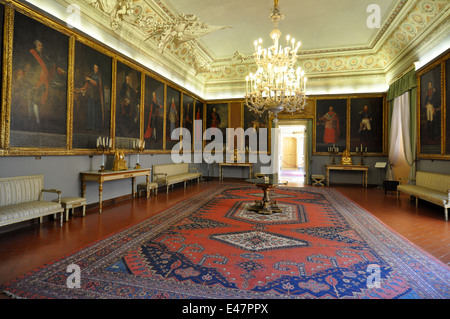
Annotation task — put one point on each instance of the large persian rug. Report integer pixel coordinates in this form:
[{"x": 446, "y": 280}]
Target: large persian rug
[{"x": 211, "y": 246}]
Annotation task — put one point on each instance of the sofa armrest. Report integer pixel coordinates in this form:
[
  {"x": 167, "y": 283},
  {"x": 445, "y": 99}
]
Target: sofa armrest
[
  {"x": 53, "y": 190},
  {"x": 193, "y": 169},
  {"x": 164, "y": 175},
  {"x": 407, "y": 180}
]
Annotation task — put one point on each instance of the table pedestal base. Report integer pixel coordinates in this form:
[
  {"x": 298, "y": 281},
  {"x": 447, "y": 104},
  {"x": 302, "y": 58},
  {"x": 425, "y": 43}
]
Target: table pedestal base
[{"x": 265, "y": 206}]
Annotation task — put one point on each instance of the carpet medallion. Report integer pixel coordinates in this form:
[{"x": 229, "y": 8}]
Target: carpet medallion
[{"x": 210, "y": 246}]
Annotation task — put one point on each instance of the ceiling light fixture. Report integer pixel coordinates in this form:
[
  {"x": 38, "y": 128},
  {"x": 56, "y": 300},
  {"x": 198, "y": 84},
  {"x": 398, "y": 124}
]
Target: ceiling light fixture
[{"x": 277, "y": 85}]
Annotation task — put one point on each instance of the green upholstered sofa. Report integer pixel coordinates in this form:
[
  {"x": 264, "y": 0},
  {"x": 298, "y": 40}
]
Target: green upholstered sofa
[
  {"x": 432, "y": 187},
  {"x": 169, "y": 174},
  {"x": 21, "y": 199}
]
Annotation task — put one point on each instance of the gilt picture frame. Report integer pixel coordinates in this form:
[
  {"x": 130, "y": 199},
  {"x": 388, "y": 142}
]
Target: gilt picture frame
[
  {"x": 256, "y": 121},
  {"x": 447, "y": 106},
  {"x": 430, "y": 111},
  {"x": 199, "y": 125},
  {"x": 128, "y": 105},
  {"x": 39, "y": 85},
  {"x": 216, "y": 125},
  {"x": 91, "y": 96},
  {"x": 187, "y": 119},
  {"x": 330, "y": 124},
  {"x": 154, "y": 114},
  {"x": 173, "y": 116},
  {"x": 367, "y": 124}
]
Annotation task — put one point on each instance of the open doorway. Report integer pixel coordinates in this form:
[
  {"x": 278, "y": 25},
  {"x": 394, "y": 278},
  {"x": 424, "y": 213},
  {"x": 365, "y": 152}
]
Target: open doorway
[{"x": 292, "y": 152}]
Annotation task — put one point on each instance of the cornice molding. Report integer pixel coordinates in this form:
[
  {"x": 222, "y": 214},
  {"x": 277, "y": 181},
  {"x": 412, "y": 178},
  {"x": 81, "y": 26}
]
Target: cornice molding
[{"x": 411, "y": 27}]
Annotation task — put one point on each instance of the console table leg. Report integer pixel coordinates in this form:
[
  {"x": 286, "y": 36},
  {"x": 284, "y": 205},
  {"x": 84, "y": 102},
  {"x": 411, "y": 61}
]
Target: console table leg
[
  {"x": 83, "y": 189},
  {"x": 147, "y": 184},
  {"x": 100, "y": 195},
  {"x": 328, "y": 178}
]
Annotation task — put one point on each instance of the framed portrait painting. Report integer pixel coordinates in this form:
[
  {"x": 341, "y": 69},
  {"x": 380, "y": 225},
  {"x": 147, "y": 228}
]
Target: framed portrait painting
[
  {"x": 2, "y": 21},
  {"x": 447, "y": 107},
  {"x": 173, "y": 116},
  {"x": 430, "y": 112},
  {"x": 154, "y": 114},
  {"x": 331, "y": 124},
  {"x": 39, "y": 85},
  {"x": 198, "y": 125},
  {"x": 128, "y": 100},
  {"x": 91, "y": 96},
  {"x": 216, "y": 124},
  {"x": 187, "y": 120},
  {"x": 256, "y": 121},
  {"x": 366, "y": 124}
]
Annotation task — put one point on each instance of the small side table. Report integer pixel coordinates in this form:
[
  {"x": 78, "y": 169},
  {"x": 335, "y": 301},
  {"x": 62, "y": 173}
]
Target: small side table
[
  {"x": 390, "y": 186},
  {"x": 69, "y": 203},
  {"x": 152, "y": 187}
]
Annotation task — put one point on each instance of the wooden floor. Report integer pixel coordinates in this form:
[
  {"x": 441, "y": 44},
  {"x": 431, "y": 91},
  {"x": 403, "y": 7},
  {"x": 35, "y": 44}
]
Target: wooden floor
[{"x": 29, "y": 245}]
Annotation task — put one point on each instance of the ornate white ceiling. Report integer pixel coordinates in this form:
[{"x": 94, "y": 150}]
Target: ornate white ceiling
[{"x": 206, "y": 45}]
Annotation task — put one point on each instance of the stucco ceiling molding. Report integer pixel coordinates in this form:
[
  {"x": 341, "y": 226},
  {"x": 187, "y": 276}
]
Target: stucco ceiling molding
[
  {"x": 420, "y": 22},
  {"x": 409, "y": 23}
]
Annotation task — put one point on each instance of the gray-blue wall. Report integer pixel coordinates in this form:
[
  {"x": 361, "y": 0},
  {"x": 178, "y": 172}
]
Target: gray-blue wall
[{"x": 63, "y": 172}]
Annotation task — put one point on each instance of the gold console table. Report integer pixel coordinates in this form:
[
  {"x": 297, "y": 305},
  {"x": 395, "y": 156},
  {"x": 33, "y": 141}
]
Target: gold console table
[
  {"x": 355, "y": 168},
  {"x": 101, "y": 177},
  {"x": 249, "y": 165}
]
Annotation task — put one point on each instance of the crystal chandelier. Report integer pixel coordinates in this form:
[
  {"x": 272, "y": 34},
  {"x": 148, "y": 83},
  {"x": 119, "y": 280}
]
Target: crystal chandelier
[{"x": 277, "y": 85}]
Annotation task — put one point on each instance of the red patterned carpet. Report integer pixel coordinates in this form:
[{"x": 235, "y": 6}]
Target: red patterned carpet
[{"x": 211, "y": 246}]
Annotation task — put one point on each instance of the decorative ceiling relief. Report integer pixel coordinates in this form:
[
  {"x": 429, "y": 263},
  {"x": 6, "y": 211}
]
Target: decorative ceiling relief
[
  {"x": 178, "y": 41},
  {"x": 168, "y": 31},
  {"x": 186, "y": 27},
  {"x": 321, "y": 63}
]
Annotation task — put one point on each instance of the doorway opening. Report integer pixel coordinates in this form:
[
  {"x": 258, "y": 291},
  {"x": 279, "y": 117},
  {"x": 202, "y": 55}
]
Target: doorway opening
[{"x": 292, "y": 153}]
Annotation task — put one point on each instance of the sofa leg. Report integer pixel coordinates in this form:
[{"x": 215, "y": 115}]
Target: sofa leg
[
  {"x": 446, "y": 214},
  {"x": 417, "y": 201}
]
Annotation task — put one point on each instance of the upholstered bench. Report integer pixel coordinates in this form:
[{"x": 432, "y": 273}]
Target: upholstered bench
[
  {"x": 69, "y": 203},
  {"x": 152, "y": 188},
  {"x": 432, "y": 187},
  {"x": 21, "y": 199},
  {"x": 169, "y": 174}
]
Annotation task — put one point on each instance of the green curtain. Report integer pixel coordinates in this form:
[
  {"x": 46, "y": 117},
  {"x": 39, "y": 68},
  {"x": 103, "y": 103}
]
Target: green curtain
[
  {"x": 402, "y": 85},
  {"x": 406, "y": 83}
]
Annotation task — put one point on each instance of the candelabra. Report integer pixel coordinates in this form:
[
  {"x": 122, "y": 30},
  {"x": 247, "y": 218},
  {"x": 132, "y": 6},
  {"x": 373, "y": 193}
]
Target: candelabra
[
  {"x": 361, "y": 152},
  {"x": 104, "y": 144},
  {"x": 333, "y": 150},
  {"x": 139, "y": 147}
]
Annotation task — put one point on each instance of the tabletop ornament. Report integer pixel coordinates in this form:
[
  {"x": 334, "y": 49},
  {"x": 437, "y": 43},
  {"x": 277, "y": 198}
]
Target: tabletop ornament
[
  {"x": 104, "y": 144},
  {"x": 139, "y": 147},
  {"x": 333, "y": 150},
  {"x": 361, "y": 152},
  {"x": 346, "y": 158}
]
